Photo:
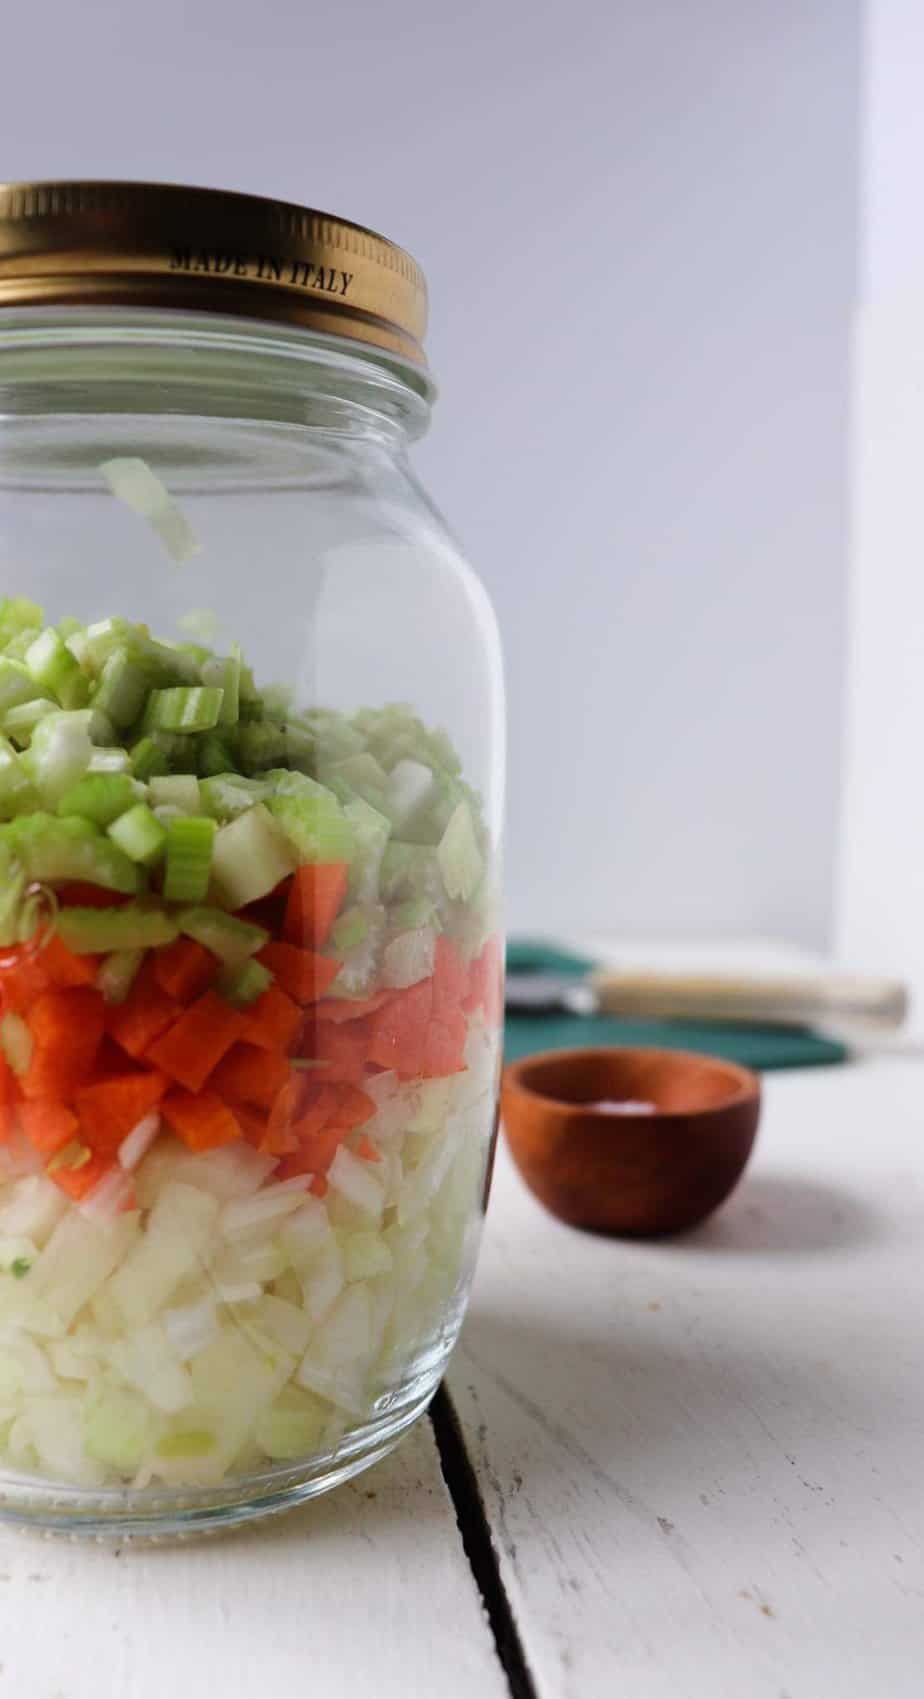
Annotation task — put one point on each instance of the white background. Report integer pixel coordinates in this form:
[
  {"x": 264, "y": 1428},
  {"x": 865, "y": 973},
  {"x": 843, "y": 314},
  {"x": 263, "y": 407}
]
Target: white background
[{"x": 638, "y": 220}]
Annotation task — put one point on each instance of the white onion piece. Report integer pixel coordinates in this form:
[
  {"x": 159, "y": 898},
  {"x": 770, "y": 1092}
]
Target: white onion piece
[
  {"x": 191, "y": 1327},
  {"x": 138, "y": 1142},
  {"x": 112, "y": 1194},
  {"x": 133, "y": 482},
  {"x": 409, "y": 958},
  {"x": 266, "y": 1205}
]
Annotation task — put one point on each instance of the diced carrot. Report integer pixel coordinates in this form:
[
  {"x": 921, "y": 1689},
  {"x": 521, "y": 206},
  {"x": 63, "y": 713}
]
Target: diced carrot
[
  {"x": 399, "y": 1031},
  {"x": 485, "y": 983},
  {"x": 315, "y": 1154},
  {"x": 48, "y": 1125},
  {"x": 318, "y": 1186},
  {"x": 315, "y": 896},
  {"x": 184, "y": 969},
  {"x": 66, "y": 1028},
  {"x": 302, "y": 973},
  {"x": 250, "y": 1075},
  {"x": 344, "y": 1048},
  {"x": 273, "y": 1020},
  {"x": 202, "y": 1120},
  {"x": 450, "y": 977},
  {"x": 8, "y": 1095},
  {"x": 280, "y": 1138},
  {"x": 22, "y": 979},
  {"x": 111, "y": 1108},
  {"x": 196, "y": 1043},
  {"x": 366, "y": 1149},
  {"x": 77, "y": 1182},
  {"x": 146, "y": 1013},
  {"x": 65, "y": 969},
  {"x": 355, "y": 1107},
  {"x": 444, "y": 1049},
  {"x": 252, "y": 1123},
  {"x": 321, "y": 1107},
  {"x": 341, "y": 1009},
  {"x": 269, "y": 911}
]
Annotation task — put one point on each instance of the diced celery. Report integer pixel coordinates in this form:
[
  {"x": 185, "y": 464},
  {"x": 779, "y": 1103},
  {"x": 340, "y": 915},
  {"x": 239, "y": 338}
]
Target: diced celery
[
  {"x": 55, "y": 670},
  {"x": 56, "y": 849},
  {"x": 97, "y": 931},
  {"x": 148, "y": 759},
  {"x": 230, "y": 939},
  {"x": 227, "y": 795},
  {"x": 20, "y": 722},
  {"x": 100, "y": 797},
  {"x": 358, "y": 775},
  {"x": 250, "y": 859},
  {"x": 213, "y": 755},
  {"x": 12, "y": 886},
  {"x": 460, "y": 859},
  {"x": 117, "y": 974},
  {"x": 190, "y": 843},
  {"x": 58, "y": 755},
  {"x": 110, "y": 761},
  {"x": 122, "y": 688},
  {"x": 260, "y": 744},
  {"x": 176, "y": 790},
  {"x": 417, "y": 911},
  {"x": 16, "y": 684},
  {"x": 183, "y": 708},
  {"x": 411, "y": 790},
  {"x": 316, "y": 826},
  {"x": 139, "y": 834},
  {"x": 242, "y": 985},
  {"x": 224, "y": 672},
  {"x": 17, "y": 792}
]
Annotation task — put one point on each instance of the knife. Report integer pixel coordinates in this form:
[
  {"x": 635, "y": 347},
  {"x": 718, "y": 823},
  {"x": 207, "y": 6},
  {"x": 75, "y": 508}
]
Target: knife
[{"x": 757, "y": 999}]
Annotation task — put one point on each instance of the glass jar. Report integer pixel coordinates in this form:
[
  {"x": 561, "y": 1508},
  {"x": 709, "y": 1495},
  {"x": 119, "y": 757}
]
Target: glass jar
[{"x": 250, "y": 788}]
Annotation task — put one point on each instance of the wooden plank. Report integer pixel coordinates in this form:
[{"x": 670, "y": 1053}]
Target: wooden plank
[
  {"x": 367, "y": 1590},
  {"x": 702, "y": 1460}
]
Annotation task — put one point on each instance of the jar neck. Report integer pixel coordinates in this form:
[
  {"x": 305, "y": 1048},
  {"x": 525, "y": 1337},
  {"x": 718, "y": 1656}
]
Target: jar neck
[{"x": 115, "y": 360}]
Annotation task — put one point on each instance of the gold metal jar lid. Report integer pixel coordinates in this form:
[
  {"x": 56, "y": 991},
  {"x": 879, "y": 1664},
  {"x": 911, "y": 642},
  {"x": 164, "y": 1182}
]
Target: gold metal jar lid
[{"x": 205, "y": 250}]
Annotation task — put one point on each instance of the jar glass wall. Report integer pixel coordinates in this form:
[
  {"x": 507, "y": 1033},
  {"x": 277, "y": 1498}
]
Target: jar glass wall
[{"x": 250, "y": 960}]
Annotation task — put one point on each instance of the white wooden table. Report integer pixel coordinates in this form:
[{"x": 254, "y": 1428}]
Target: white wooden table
[{"x": 701, "y": 1464}]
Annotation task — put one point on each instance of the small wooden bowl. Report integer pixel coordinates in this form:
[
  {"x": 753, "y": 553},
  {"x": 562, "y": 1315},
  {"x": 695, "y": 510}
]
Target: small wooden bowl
[{"x": 638, "y": 1173}]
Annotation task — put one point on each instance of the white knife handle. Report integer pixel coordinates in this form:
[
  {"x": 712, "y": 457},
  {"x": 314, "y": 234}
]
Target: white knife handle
[{"x": 772, "y": 998}]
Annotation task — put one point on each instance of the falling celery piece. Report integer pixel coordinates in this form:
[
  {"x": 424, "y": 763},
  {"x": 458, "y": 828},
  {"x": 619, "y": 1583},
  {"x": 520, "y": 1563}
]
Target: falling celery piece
[
  {"x": 189, "y": 858},
  {"x": 134, "y": 482},
  {"x": 140, "y": 834}
]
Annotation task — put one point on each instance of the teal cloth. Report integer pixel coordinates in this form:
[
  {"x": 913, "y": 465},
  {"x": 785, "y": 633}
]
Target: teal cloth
[{"x": 760, "y": 1047}]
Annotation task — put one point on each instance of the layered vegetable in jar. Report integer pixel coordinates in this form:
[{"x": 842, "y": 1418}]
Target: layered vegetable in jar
[{"x": 250, "y": 993}]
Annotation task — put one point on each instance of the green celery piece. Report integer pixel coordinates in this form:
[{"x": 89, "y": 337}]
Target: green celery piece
[
  {"x": 227, "y": 795},
  {"x": 214, "y": 755},
  {"x": 224, "y": 671},
  {"x": 139, "y": 834},
  {"x": 317, "y": 830},
  {"x": 55, "y": 670},
  {"x": 242, "y": 985},
  {"x": 110, "y": 761},
  {"x": 20, "y": 722},
  {"x": 15, "y": 1041},
  {"x": 358, "y": 775},
  {"x": 417, "y": 911},
  {"x": 122, "y": 688},
  {"x": 97, "y": 931},
  {"x": 148, "y": 759},
  {"x": 283, "y": 782},
  {"x": 16, "y": 684},
  {"x": 198, "y": 652},
  {"x": 185, "y": 708},
  {"x": 232, "y": 940},
  {"x": 349, "y": 931},
  {"x": 190, "y": 842},
  {"x": 12, "y": 888},
  {"x": 162, "y": 663},
  {"x": 251, "y": 857},
  {"x": 301, "y": 749},
  {"x": 17, "y": 792},
  {"x": 59, "y": 754},
  {"x": 335, "y": 738},
  {"x": 260, "y": 744},
  {"x": 100, "y": 797},
  {"x": 176, "y": 790},
  {"x": 117, "y": 974},
  {"x": 371, "y": 833},
  {"x": 460, "y": 859},
  {"x": 410, "y": 871},
  {"x": 55, "y": 849},
  {"x": 18, "y": 647},
  {"x": 18, "y": 614}
]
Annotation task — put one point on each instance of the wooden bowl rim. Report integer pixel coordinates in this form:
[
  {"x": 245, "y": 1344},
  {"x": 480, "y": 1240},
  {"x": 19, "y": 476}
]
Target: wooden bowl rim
[{"x": 746, "y": 1083}]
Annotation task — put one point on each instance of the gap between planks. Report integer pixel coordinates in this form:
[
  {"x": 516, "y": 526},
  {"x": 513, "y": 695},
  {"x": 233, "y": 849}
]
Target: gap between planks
[{"x": 478, "y": 1545}]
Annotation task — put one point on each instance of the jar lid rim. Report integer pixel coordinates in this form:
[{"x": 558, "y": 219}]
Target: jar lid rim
[{"x": 208, "y": 250}]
